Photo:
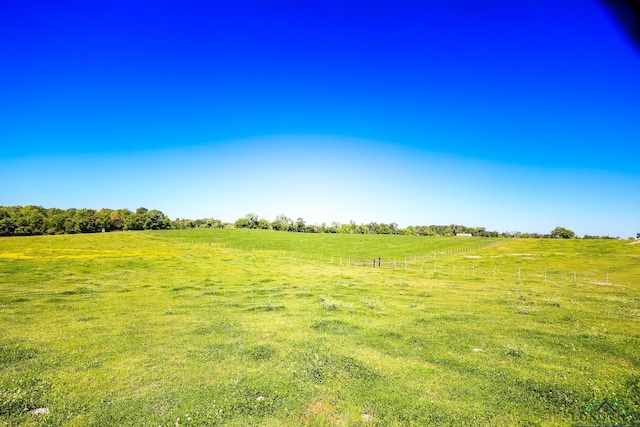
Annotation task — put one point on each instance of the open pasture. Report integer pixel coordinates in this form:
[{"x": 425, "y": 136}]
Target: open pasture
[{"x": 248, "y": 327}]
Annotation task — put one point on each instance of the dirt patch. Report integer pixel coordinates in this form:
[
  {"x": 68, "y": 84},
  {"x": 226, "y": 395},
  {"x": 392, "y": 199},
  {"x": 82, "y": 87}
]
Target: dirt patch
[
  {"x": 316, "y": 409},
  {"x": 321, "y": 409},
  {"x": 471, "y": 256},
  {"x": 604, "y": 283},
  {"x": 635, "y": 242}
]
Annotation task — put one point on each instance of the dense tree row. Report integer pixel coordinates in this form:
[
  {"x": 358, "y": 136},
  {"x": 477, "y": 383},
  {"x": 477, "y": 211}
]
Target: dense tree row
[
  {"x": 183, "y": 224},
  {"x": 283, "y": 223},
  {"x": 34, "y": 220}
]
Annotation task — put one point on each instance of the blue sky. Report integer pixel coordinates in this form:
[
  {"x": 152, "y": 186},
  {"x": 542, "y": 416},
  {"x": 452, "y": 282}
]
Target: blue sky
[{"x": 515, "y": 116}]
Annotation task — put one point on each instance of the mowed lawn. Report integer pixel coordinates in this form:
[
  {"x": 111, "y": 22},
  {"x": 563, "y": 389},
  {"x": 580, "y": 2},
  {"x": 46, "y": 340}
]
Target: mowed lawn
[{"x": 249, "y": 327}]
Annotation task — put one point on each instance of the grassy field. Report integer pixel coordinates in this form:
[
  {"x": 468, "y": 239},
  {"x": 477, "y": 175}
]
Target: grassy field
[{"x": 248, "y": 327}]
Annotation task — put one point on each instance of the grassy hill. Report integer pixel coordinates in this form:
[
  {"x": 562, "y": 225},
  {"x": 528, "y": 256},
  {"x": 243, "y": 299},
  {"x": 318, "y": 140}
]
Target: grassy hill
[{"x": 248, "y": 327}]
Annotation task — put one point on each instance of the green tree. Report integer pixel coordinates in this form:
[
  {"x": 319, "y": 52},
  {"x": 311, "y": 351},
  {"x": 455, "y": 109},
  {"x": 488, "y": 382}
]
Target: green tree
[
  {"x": 134, "y": 221},
  {"x": 394, "y": 228},
  {"x": 58, "y": 224},
  {"x": 333, "y": 228},
  {"x": 562, "y": 233},
  {"x": 252, "y": 220},
  {"x": 155, "y": 220},
  {"x": 7, "y": 222},
  {"x": 125, "y": 214},
  {"x": 183, "y": 224},
  {"x": 103, "y": 219},
  {"x": 277, "y": 225},
  {"x": 85, "y": 221},
  {"x": 31, "y": 220},
  {"x": 242, "y": 223},
  {"x": 348, "y": 228},
  {"x": 116, "y": 220},
  {"x": 282, "y": 223}
]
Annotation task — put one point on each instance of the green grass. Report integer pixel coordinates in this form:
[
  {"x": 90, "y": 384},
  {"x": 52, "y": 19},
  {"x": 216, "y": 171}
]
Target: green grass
[
  {"x": 247, "y": 327},
  {"x": 314, "y": 246}
]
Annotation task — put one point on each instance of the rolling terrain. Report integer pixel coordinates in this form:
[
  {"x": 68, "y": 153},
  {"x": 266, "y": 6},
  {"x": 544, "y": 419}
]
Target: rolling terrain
[{"x": 249, "y": 327}]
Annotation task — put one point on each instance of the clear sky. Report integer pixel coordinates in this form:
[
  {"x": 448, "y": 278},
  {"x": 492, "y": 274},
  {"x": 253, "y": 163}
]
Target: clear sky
[{"x": 512, "y": 115}]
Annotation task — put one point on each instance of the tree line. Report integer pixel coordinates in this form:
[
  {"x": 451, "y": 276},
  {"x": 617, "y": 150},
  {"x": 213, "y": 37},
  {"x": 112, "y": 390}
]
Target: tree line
[
  {"x": 35, "y": 220},
  {"x": 284, "y": 223}
]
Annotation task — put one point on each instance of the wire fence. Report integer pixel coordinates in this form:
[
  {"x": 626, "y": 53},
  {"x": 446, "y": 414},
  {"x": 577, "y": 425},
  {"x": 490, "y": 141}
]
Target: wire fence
[{"x": 436, "y": 264}]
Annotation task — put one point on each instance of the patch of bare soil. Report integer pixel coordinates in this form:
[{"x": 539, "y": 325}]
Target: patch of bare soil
[
  {"x": 604, "y": 283},
  {"x": 320, "y": 409},
  {"x": 367, "y": 418}
]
